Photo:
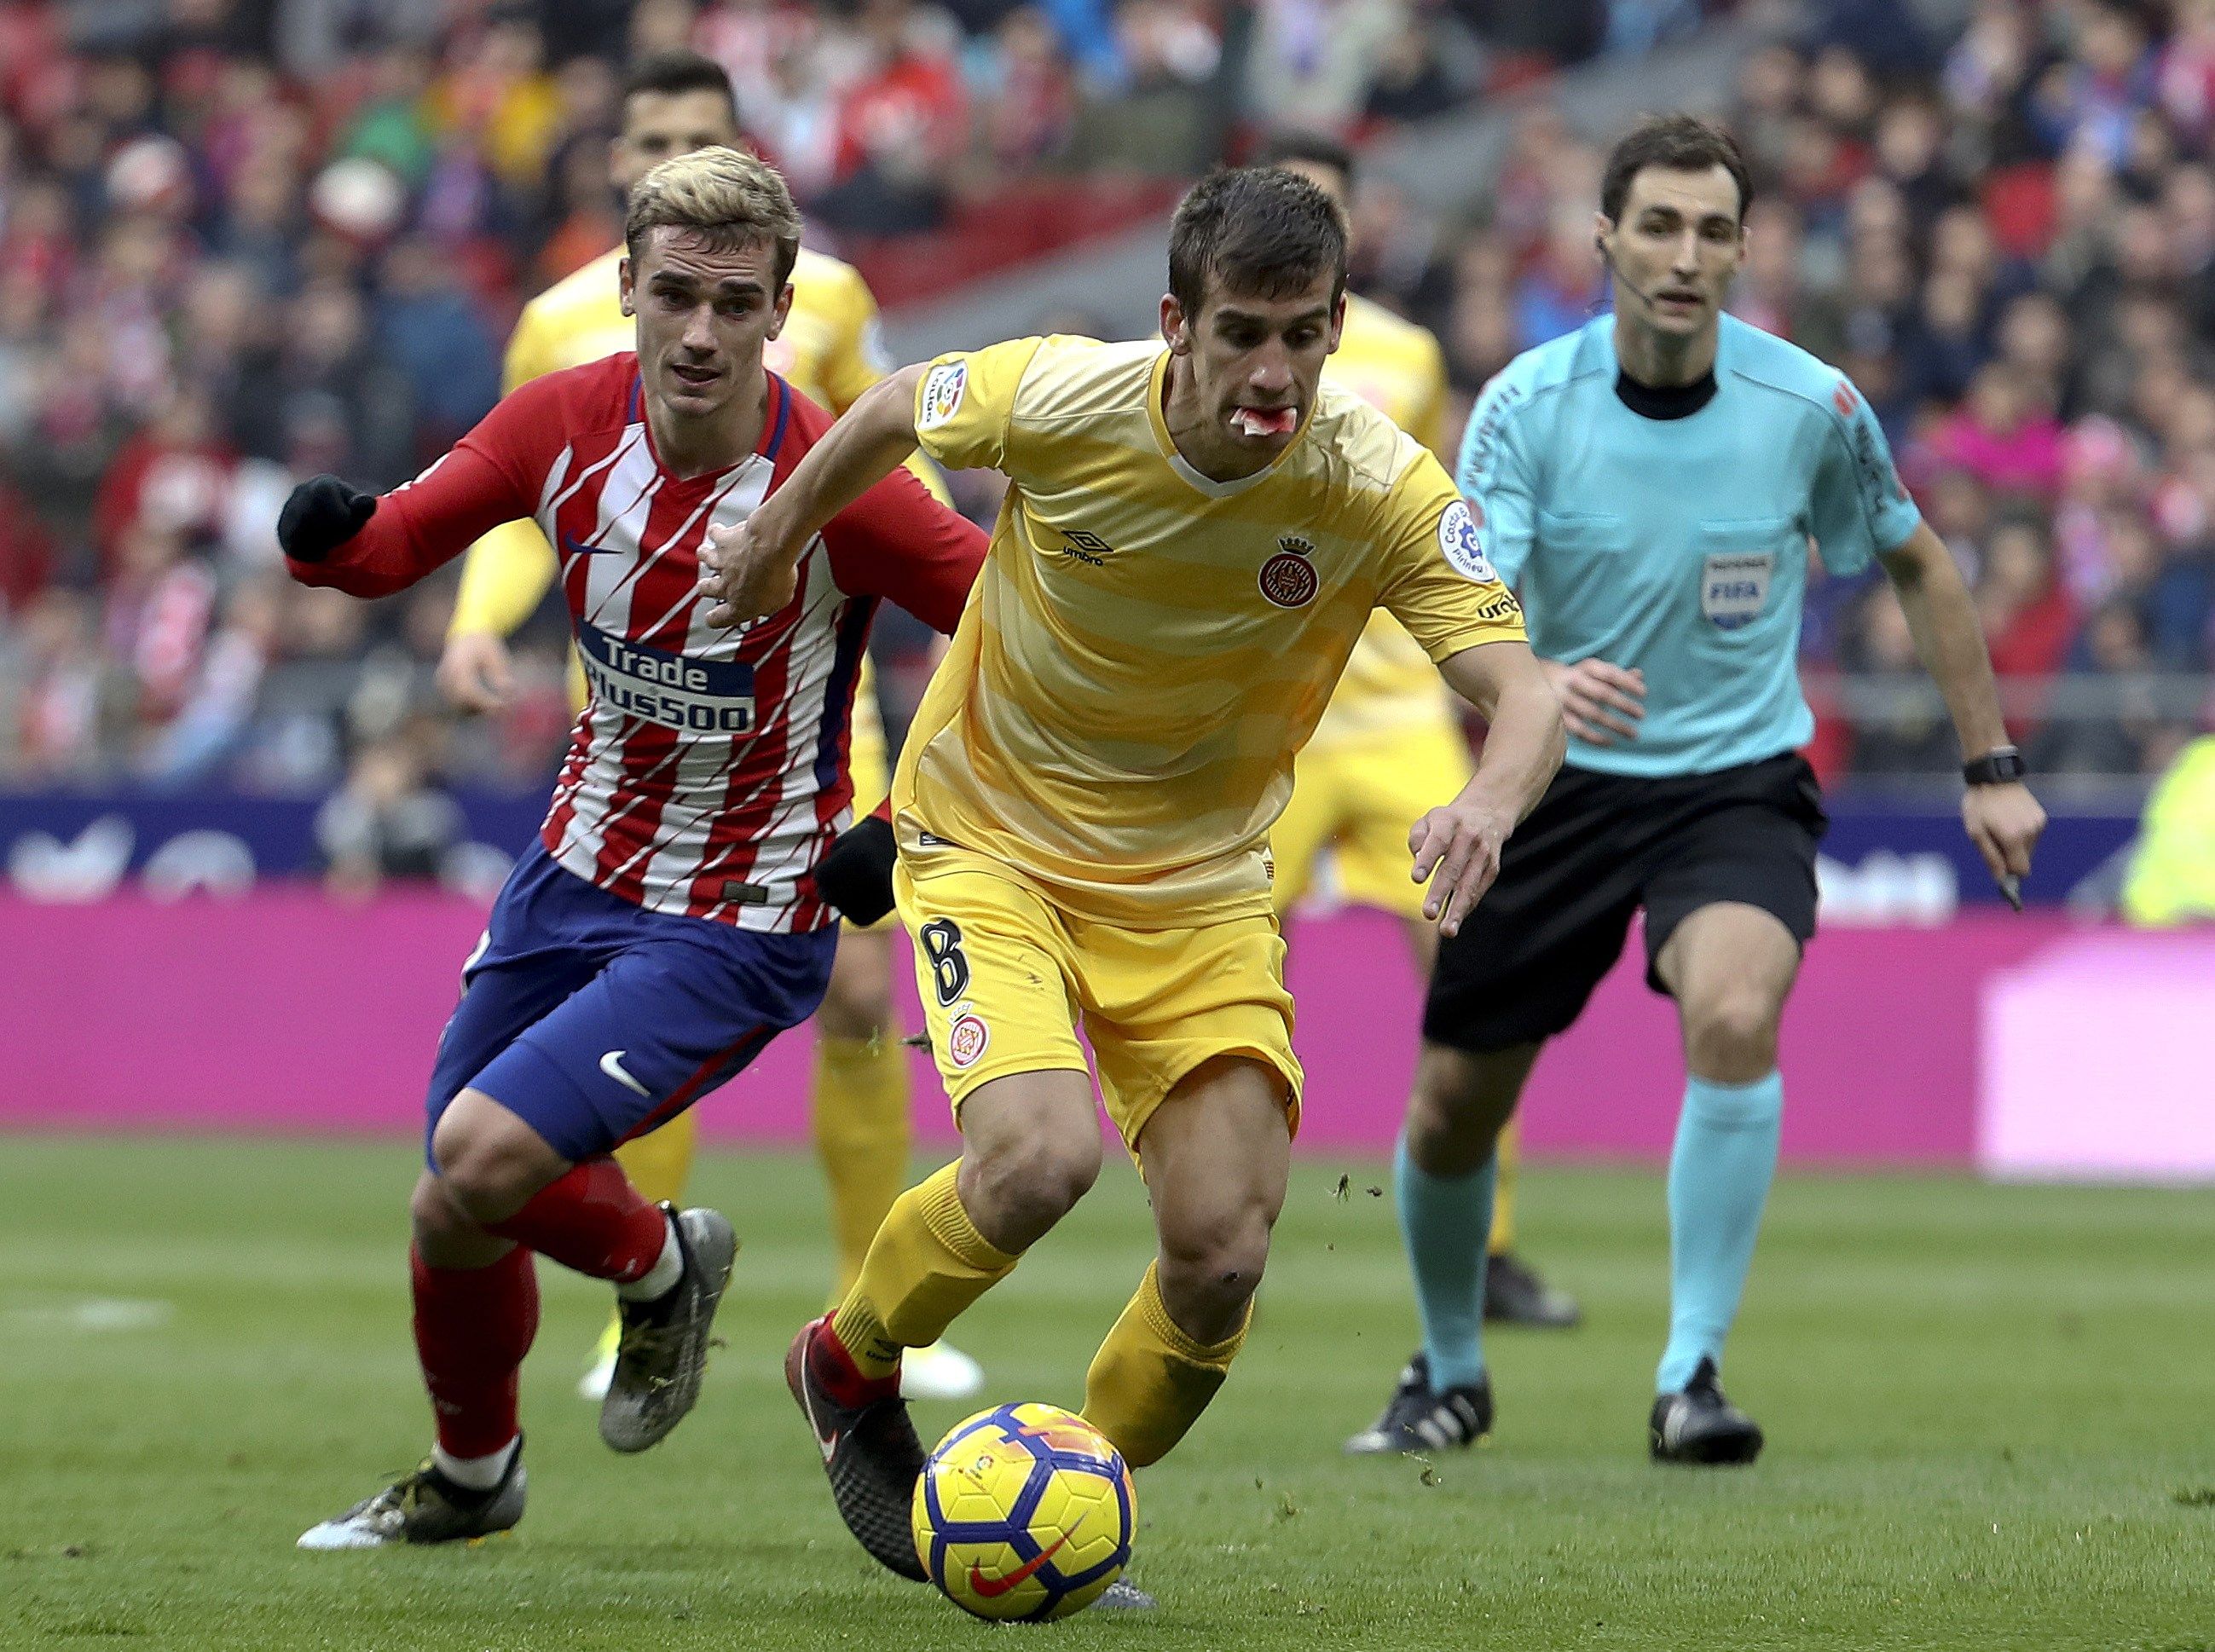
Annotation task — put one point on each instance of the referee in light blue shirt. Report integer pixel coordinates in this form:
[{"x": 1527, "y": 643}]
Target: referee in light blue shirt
[{"x": 1650, "y": 483}]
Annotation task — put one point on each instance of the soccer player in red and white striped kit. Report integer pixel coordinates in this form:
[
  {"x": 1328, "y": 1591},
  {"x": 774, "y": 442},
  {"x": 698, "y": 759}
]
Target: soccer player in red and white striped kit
[{"x": 678, "y": 911}]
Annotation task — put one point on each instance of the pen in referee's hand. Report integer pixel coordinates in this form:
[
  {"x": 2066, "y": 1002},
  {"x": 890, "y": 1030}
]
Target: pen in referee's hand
[{"x": 2011, "y": 886}]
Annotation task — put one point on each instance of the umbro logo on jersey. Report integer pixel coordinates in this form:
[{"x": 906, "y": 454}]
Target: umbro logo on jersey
[{"x": 1087, "y": 547}]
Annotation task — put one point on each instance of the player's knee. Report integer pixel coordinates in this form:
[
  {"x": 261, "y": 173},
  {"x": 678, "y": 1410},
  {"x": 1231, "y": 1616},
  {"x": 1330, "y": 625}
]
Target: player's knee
[
  {"x": 1732, "y": 1034},
  {"x": 484, "y": 1178},
  {"x": 1211, "y": 1261},
  {"x": 436, "y": 1221},
  {"x": 1455, "y": 1114},
  {"x": 1027, "y": 1185}
]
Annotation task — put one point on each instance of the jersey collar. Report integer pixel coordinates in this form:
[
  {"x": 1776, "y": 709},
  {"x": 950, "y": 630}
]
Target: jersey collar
[{"x": 1157, "y": 390}]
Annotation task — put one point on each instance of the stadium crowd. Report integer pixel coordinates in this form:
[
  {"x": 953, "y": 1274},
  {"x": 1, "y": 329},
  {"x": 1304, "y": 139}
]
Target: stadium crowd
[{"x": 241, "y": 243}]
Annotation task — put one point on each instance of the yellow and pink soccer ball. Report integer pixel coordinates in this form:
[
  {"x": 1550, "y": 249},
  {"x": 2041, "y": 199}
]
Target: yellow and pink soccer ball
[{"x": 1024, "y": 1512}]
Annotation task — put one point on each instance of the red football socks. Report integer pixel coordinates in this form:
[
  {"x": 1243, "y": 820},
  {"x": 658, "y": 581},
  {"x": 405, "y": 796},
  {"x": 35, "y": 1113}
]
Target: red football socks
[
  {"x": 835, "y": 1369},
  {"x": 591, "y": 1219},
  {"x": 473, "y": 1326}
]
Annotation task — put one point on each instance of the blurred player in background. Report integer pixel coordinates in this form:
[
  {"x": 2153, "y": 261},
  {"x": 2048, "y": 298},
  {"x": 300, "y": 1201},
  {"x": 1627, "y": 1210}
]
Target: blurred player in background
[
  {"x": 1193, "y": 541},
  {"x": 673, "y": 917},
  {"x": 1651, "y": 483},
  {"x": 1391, "y": 744},
  {"x": 673, "y": 103}
]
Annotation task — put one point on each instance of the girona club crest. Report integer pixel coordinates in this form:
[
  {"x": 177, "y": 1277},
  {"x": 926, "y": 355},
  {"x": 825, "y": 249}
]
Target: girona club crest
[
  {"x": 968, "y": 1039},
  {"x": 1289, "y": 578}
]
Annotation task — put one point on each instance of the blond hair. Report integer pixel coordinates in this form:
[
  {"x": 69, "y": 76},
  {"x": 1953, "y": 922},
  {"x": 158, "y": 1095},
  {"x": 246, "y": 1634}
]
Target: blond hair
[{"x": 725, "y": 196}]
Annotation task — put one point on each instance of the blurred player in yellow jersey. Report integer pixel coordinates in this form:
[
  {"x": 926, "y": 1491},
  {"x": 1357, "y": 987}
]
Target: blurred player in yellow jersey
[
  {"x": 1390, "y": 745},
  {"x": 1193, "y": 538},
  {"x": 674, "y": 103}
]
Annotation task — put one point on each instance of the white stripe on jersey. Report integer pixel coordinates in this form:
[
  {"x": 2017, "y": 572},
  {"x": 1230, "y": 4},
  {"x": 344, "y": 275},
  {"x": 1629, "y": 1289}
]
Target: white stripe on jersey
[
  {"x": 789, "y": 838},
  {"x": 612, "y": 781}
]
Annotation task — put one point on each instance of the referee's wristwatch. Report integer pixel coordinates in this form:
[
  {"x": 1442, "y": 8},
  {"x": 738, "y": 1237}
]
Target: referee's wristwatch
[{"x": 2001, "y": 766}]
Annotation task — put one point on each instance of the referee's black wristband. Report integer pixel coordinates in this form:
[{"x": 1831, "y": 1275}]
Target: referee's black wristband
[
  {"x": 856, "y": 873},
  {"x": 2000, "y": 766}
]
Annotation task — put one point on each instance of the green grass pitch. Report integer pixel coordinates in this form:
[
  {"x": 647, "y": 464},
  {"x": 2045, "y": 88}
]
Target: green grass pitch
[{"x": 1988, "y": 1412}]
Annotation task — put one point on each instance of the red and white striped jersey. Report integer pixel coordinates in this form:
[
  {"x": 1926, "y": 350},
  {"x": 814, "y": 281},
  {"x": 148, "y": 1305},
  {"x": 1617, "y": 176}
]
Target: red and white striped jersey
[{"x": 707, "y": 770}]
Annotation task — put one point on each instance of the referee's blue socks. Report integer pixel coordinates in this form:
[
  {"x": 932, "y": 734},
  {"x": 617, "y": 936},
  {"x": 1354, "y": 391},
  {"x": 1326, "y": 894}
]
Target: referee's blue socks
[
  {"x": 1719, "y": 1176},
  {"x": 1447, "y": 1221}
]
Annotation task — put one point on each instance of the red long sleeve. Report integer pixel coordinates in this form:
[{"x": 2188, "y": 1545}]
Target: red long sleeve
[
  {"x": 898, "y": 542},
  {"x": 493, "y": 475}
]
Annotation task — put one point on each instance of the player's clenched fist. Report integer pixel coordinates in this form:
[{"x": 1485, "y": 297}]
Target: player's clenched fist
[
  {"x": 749, "y": 578},
  {"x": 321, "y": 515},
  {"x": 1460, "y": 843},
  {"x": 1600, "y": 703}
]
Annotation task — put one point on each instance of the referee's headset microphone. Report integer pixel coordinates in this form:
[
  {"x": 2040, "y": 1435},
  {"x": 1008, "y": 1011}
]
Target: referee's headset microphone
[{"x": 1599, "y": 246}]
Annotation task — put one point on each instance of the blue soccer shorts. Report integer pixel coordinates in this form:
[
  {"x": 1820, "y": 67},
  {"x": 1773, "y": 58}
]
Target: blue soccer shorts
[{"x": 595, "y": 1020}]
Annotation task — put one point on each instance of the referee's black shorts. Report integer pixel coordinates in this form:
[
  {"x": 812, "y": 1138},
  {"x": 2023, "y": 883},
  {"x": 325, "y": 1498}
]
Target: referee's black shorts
[{"x": 1597, "y": 848}]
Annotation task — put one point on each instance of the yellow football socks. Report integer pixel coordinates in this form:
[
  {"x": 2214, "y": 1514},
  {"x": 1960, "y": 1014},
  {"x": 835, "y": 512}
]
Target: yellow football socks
[
  {"x": 659, "y": 1164},
  {"x": 1150, "y": 1381},
  {"x": 861, "y": 1135},
  {"x": 1503, "y": 1195},
  {"x": 927, "y": 1264}
]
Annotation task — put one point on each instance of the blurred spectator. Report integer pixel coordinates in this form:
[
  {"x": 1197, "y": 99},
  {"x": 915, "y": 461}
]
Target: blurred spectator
[
  {"x": 217, "y": 711},
  {"x": 1314, "y": 61},
  {"x": 428, "y": 327},
  {"x": 2003, "y": 435},
  {"x": 171, "y": 477},
  {"x": 1901, "y": 725},
  {"x": 900, "y": 125},
  {"x": 1166, "y": 117},
  {"x": 388, "y": 821},
  {"x": 2028, "y": 614},
  {"x": 59, "y": 681}
]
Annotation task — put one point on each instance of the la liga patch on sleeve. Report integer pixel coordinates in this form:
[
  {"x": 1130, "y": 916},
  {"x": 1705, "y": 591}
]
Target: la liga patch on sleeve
[
  {"x": 1457, "y": 539},
  {"x": 943, "y": 386}
]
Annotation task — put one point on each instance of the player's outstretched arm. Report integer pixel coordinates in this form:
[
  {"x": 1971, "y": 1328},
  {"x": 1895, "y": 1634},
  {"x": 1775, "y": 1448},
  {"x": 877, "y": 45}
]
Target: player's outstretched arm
[
  {"x": 2002, "y": 820},
  {"x": 898, "y": 542},
  {"x": 1461, "y": 841},
  {"x": 748, "y": 569},
  {"x": 367, "y": 545}
]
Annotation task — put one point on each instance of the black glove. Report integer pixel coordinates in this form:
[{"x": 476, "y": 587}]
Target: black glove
[
  {"x": 856, "y": 873},
  {"x": 321, "y": 515}
]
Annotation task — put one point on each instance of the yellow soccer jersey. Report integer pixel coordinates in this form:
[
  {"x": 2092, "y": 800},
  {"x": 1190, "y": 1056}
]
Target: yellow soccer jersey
[
  {"x": 1146, "y": 648},
  {"x": 1398, "y": 369},
  {"x": 830, "y": 351}
]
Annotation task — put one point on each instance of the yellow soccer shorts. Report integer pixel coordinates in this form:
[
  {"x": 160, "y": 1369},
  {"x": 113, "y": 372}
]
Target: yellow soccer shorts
[
  {"x": 1006, "y": 977},
  {"x": 1358, "y": 799}
]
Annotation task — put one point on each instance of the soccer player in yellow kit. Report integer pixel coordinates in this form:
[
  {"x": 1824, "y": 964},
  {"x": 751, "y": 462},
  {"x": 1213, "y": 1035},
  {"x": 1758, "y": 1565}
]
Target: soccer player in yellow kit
[
  {"x": 674, "y": 103},
  {"x": 1391, "y": 744},
  {"x": 1193, "y": 540}
]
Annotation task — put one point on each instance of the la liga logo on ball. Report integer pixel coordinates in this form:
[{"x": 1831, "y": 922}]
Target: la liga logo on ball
[
  {"x": 1024, "y": 1512},
  {"x": 1289, "y": 578}
]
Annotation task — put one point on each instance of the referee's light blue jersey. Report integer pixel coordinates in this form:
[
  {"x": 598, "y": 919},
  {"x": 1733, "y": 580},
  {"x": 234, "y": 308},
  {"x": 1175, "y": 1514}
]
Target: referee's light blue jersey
[{"x": 1680, "y": 546}]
